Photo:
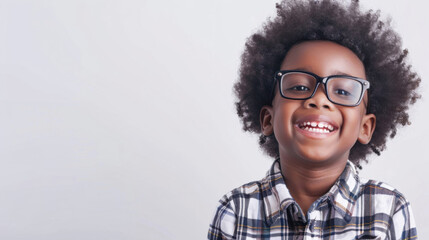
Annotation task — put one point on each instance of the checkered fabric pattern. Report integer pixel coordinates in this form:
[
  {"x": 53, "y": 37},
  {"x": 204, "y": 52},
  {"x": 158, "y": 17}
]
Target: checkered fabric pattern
[{"x": 353, "y": 209}]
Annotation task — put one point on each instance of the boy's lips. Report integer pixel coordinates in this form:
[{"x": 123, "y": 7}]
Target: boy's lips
[{"x": 316, "y": 126}]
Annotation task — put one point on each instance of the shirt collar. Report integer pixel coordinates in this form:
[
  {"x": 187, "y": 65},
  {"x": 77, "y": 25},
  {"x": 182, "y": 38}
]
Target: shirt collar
[
  {"x": 345, "y": 191},
  {"x": 342, "y": 194}
]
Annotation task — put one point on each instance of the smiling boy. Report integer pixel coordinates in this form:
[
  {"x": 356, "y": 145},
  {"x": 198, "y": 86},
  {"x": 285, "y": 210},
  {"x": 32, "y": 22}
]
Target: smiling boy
[
  {"x": 334, "y": 69},
  {"x": 311, "y": 158}
]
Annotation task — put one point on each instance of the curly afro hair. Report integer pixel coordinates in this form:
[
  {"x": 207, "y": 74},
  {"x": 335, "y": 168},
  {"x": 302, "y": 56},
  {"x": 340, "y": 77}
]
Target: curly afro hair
[{"x": 393, "y": 83}]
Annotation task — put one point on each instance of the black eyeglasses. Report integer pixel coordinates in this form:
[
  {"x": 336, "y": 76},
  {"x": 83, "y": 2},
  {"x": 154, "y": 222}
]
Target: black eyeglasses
[{"x": 340, "y": 89}]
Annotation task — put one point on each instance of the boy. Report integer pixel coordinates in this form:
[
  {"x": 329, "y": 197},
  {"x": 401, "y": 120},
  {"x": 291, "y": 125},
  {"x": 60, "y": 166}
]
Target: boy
[{"x": 336, "y": 71}]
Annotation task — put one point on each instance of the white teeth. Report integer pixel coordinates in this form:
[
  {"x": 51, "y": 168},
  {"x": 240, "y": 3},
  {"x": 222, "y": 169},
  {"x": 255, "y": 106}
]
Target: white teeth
[
  {"x": 318, "y": 130},
  {"x": 320, "y": 127}
]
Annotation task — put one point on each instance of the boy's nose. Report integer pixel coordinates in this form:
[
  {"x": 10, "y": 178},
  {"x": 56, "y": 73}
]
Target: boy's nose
[{"x": 319, "y": 100}]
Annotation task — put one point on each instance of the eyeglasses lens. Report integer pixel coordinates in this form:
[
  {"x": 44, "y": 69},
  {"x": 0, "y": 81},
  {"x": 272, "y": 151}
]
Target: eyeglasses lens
[
  {"x": 298, "y": 85},
  {"x": 344, "y": 91}
]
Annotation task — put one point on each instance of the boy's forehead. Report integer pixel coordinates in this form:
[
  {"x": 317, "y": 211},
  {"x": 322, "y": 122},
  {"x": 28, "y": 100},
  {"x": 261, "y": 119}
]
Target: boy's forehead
[{"x": 323, "y": 58}]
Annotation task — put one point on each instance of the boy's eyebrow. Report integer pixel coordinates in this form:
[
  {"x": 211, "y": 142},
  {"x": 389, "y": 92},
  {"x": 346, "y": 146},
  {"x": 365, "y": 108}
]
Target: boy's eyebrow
[
  {"x": 309, "y": 70},
  {"x": 342, "y": 73}
]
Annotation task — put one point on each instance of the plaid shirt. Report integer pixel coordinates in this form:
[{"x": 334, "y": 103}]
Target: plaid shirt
[{"x": 352, "y": 209}]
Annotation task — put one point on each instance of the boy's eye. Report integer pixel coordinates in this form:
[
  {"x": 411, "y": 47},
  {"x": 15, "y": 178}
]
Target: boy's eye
[
  {"x": 342, "y": 92},
  {"x": 299, "y": 88}
]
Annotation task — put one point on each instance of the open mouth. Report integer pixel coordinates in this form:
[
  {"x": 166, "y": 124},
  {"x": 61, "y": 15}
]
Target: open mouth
[{"x": 317, "y": 127}]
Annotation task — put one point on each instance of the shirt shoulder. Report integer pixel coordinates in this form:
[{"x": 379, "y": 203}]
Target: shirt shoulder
[
  {"x": 245, "y": 202},
  {"x": 252, "y": 190},
  {"x": 382, "y": 192}
]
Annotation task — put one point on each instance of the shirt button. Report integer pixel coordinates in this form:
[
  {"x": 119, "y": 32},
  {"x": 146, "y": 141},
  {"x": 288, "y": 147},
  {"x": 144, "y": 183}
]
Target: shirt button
[{"x": 311, "y": 225}]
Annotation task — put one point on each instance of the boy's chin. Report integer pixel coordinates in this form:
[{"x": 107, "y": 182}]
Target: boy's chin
[{"x": 321, "y": 158}]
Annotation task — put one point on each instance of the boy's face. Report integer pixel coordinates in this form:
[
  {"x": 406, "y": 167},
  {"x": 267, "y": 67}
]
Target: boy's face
[{"x": 288, "y": 118}]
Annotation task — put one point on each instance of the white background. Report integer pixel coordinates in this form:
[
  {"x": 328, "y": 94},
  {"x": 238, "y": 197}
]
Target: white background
[{"x": 117, "y": 117}]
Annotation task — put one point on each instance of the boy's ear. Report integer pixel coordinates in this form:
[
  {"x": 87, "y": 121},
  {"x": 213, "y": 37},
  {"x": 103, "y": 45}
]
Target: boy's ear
[
  {"x": 265, "y": 118},
  {"x": 367, "y": 128}
]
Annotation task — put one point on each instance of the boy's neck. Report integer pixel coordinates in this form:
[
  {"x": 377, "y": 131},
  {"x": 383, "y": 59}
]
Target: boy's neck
[{"x": 307, "y": 182}]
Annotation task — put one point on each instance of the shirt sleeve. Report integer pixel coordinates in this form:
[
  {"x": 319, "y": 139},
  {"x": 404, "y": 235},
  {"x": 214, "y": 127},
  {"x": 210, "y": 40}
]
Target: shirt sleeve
[
  {"x": 224, "y": 221},
  {"x": 403, "y": 225}
]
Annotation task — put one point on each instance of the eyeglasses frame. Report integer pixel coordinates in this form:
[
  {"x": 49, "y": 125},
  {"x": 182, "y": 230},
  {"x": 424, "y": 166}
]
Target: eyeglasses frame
[{"x": 278, "y": 76}]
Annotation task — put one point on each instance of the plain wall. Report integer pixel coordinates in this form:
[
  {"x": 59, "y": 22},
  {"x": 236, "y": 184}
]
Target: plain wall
[{"x": 118, "y": 120}]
